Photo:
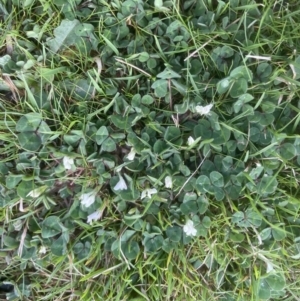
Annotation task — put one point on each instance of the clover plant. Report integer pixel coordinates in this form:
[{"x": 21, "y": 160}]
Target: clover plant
[{"x": 150, "y": 141}]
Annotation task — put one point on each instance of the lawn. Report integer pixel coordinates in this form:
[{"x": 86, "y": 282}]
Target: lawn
[{"x": 150, "y": 150}]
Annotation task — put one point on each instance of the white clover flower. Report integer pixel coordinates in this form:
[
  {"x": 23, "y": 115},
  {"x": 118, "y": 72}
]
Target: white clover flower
[
  {"x": 168, "y": 182},
  {"x": 119, "y": 168},
  {"x": 42, "y": 250},
  {"x": 93, "y": 217},
  {"x": 204, "y": 110},
  {"x": 189, "y": 228},
  {"x": 190, "y": 141},
  {"x": 268, "y": 262},
  {"x": 68, "y": 162},
  {"x": 35, "y": 193},
  {"x": 270, "y": 267},
  {"x": 148, "y": 192},
  {"x": 87, "y": 199},
  {"x": 121, "y": 185},
  {"x": 131, "y": 154}
]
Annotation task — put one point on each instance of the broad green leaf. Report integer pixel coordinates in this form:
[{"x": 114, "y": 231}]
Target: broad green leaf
[
  {"x": 227, "y": 51},
  {"x": 219, "y": 193},
  {"x": 267, "y": 185},
  {"x": 253, "y": 218},
  {"x": 44, "y": 132},
  {"x": 72, "y": 138},
  {"x": 264, "y": 291},
  {"x": 203, "y": 130},
  {"x": 147, "y": 100},
  {"x": 10, "y": 242},
  {"x": 227, "y": 163},
  {"x": 13, "y": 180},
  {"x": 121, "y": 122},
  {"x": 173, "y": 135},
  {"x": 202, "y": 204},
  {"x": 274, "y": 281},
  {"x": 49, "y": 73},
  {"x": 64, "y": 35},
  {"x": 181, "y": 88},
  {"x": 223, "y": 85},
  {"x": 256, "y": 172},
  {"x": 264, "y": 70},
  {"x": 189, "y": 207},
  {"x": 29, "y": 141},
  {"x": 27, "y": 3},
  {"x": 216, "y": 179},
  {"x": 83, "y": 29},
  {"x": 168, "y": 74},
  {"x": 101, "y": 135},
  {"x": 240, "y": 103},
  {"x": 129, "y": 7},
  {"x": 204, "y": 184},
  {"x": 174, "y": 233},
  {"x": 51, "y": 226},
  {"x": 269, "y": 283},
  {"x": 176, "y": 28},
  {"x": 255, "y": 134},
  {"x": 241, "y": 72},
  {"x": 247, "y": 219},
  {"x": 118, "y": 136},
  {"x": 266, "y": 119},
  {"x": 239, "y": 87},
  {"x": 169, "y": 245},
  {"x": 160, "y": 87},
  {"x": 158, "y": 3},
  {"x": 237, "y": 237},
  {"x": 28, "y": 253},
  {"x": 278, "y": 234},
  {"x": 144, "y": 57},
  {"x": 109, "y": 145},
  {"x": 287, "y": 151},
  {"x": 151, "y": 63},
  {"x": 24, "y": 188},
  {"x": 237, "y": 217},
  {"x": 29, "y": 122},
  {"x": 82, "y": 250},
  {"x": 153, "y": 244},
  {"x": 265, "y": 233},
  {"x": 206, "y": 222},
  {"x": 4, "y": 60},
  {"x": 130, "y": 249},
  {"x": 59, "y": 247},
  {"x": 127, "y": 235}
]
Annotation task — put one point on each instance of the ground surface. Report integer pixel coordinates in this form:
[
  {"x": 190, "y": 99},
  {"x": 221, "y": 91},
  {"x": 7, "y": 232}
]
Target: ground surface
[{"x": 150, "y": 150}]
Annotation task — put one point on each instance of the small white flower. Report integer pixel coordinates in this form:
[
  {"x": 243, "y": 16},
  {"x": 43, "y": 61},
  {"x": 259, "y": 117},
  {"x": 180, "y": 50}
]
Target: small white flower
[
  {"x": 189, "y": 228},
  {"x": 68, "y": 162},
  {"x": 87, "y": 199},
  {"x": 93, "y": 217},
  {"x": 35, "y": 193},
  {"x": 131, "y": 154},
  {"x": 121, "y": 185},
  {"x": 168, "y": 182},
  {"x": 119, "y": 168},
  {"x": 42, "y": 250},
  {"x": 148, "y": 192},
  {"x": 270, "y": 267},
  {"x": 190, "y": 141},
  {"x": 204, "y": 110}
]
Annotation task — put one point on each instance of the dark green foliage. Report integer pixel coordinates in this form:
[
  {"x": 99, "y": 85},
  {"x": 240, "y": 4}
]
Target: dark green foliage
[{"x": 141, "y": 118}]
